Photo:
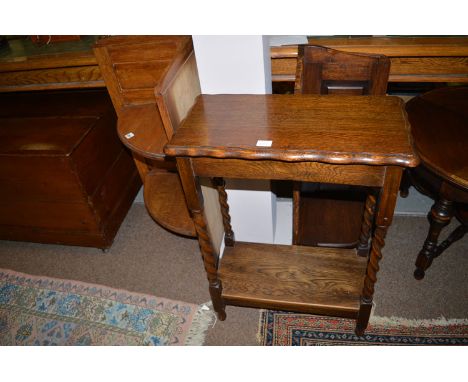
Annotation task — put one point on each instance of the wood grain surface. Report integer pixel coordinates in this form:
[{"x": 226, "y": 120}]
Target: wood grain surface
[
  {"x": 390, "y": 46},
  {"x": 413, "y": 59},
  {"x": 165, "y": 202},
  {"x": 439, "y": 124},
  {"x": 307, "y": 279},
  {"x": 304, "y": 171},
  {"x": 66, "y": 65},
  {"x": 140, "y": 128},
  {"x": 331, "y": 129},
  {"x": 152, "y": 85},
  {"x": 55, "y": 78},
  {"x": 66, "y": 178},
  {"x": 133, "y": 66}
]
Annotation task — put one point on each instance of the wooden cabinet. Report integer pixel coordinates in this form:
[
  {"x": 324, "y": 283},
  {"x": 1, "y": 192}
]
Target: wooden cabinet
[{"x": 66, "y": 178}]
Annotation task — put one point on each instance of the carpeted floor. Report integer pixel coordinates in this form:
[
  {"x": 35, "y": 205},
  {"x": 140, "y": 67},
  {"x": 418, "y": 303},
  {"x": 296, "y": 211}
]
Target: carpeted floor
[{"x": 145, "y": 258}]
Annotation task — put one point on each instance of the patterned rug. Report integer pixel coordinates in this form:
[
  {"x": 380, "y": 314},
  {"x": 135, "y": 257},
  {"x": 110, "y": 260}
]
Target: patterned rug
[
  {"x": 45, "y": 311},
  {"x": 280, "y": 328}
]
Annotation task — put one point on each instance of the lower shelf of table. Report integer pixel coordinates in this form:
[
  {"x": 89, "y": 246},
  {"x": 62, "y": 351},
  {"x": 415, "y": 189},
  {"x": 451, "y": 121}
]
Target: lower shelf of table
[
  {"x": 165, "y": 201},
  {"x": 285, "y": 277}
]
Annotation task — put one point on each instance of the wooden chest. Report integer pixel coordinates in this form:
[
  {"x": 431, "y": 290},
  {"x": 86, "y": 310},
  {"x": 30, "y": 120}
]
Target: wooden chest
[{"x": 65, "y": 177}]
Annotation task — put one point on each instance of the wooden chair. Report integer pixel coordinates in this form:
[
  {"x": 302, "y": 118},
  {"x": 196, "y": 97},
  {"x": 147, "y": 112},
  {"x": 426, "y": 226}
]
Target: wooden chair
[{"x": 324, "y": 214}]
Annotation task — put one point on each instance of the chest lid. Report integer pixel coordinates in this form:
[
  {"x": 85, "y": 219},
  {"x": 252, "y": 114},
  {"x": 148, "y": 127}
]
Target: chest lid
[{"x": 43, "y": 136}]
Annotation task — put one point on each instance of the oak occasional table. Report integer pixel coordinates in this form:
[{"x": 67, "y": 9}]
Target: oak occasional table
[
  {"x": 361, "y": 141},
  {"x": 439, "y": 122}
]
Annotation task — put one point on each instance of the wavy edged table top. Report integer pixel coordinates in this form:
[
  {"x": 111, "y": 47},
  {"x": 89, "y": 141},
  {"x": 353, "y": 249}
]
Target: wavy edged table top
[{"x": 331, "y": 129}]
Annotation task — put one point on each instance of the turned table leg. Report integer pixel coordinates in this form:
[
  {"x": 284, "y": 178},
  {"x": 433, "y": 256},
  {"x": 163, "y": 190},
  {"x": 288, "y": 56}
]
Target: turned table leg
[
  {"x": 440, "y": 215},
  {"x": 194, "y": 198},
  {"x": 405, "y": 184},
  {"x": 456, "y": 235}
]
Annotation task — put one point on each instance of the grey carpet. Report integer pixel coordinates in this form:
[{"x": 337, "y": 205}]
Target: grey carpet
[{"x": 146, "y": 258}]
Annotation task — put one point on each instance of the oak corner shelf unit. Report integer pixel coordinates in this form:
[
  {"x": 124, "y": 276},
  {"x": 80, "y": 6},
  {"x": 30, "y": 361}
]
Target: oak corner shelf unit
[{"x": 330, "y": 139}]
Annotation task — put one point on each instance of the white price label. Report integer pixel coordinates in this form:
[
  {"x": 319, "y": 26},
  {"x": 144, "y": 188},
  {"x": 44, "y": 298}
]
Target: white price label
[{"x": 261, "y": 143}]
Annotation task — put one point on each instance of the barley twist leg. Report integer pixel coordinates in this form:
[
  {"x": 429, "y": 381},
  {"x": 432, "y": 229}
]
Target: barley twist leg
[
  {"x": 366, "y": 228},
  {"x": 370, "y": 279},
  {"x": 220, "y": 185},
  {"x": 210, "y": 261}
]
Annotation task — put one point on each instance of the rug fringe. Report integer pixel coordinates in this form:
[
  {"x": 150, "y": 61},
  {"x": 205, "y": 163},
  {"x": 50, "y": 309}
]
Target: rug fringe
[
  {"x": 379, "y": 320},
  {"x": 260, "y": 327},
  {"x": 441, "y": 321},
  {"x": 203, "y": 319}
]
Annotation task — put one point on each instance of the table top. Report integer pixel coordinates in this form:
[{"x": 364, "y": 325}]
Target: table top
[
  {"x": 333, "y": 129},
  {"x": 439, "y": 124}
]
